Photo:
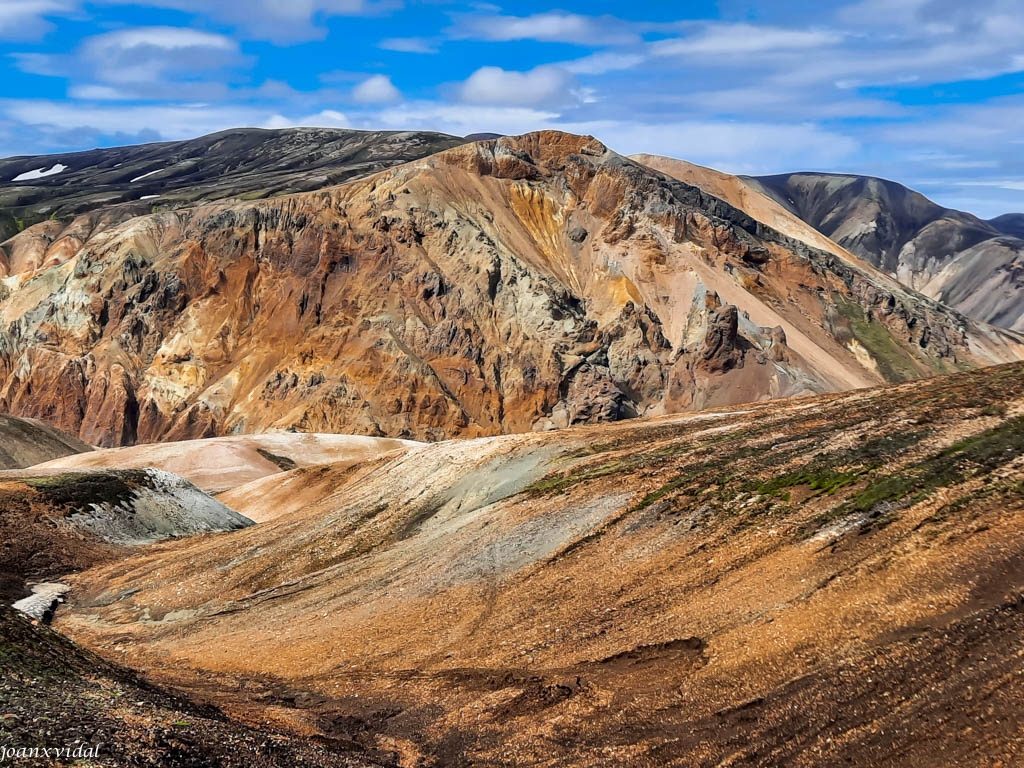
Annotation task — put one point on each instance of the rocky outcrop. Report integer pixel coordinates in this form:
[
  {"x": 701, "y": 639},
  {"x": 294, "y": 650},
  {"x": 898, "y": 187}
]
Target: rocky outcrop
[
  {"x": 720, "y": 350},
  {"x": 506, "y": 286}
]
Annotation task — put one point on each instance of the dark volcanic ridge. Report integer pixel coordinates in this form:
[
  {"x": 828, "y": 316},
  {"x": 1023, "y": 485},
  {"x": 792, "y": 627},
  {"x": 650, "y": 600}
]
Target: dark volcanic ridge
[{"x": 250, "y": 163}]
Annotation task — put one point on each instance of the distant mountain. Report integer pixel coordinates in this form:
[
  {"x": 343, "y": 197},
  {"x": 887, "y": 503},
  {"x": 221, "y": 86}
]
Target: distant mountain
[
  {"x": 245, "y": 162},
  {"x": 922, "y": 244},
  {"x": 1009, "y": 223},
  {"x": 512, "y": 285}
]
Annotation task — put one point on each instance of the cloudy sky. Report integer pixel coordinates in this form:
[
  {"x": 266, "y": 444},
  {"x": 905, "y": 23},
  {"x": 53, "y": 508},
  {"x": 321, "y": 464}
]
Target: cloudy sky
[{"x": 927, "y": 92}]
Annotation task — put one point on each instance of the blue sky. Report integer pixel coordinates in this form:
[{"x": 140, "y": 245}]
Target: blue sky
[{"x": 927, "y": 92}]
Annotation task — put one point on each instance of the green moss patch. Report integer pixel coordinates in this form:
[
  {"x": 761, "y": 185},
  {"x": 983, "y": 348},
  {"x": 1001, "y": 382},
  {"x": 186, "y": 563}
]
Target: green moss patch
[{"x": 894, "y": 362}]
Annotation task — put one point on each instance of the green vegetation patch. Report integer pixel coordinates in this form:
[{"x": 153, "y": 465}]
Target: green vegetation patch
[
  {"x": 894, "y": 362},
  {"x": 973, "y": 456},
  {"x": 77, "y": 491},
  {"x": 817, "y": 478},
  {"x": 660, "y": 493}
]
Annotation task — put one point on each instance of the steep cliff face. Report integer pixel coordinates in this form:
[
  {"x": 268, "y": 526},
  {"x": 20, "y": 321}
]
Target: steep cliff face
[{"x": 510, "y": 285}]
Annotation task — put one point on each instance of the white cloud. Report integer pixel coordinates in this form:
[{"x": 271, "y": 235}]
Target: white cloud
[
  {"x": 551, "y": 27},
  {"x": 328, "y": 118},
  {"x": 28, "y": 19},
  {"x": 41, "y": 64},
  {"x": 603, "y": 62},
  {"x": 277, "y": 20},
  {"x": 142, "y": 63},
  {"x": 744, "y": 40},
  {"x": 1016, "y": 185},
  {"x": 94, "y": 92},
  {"x": 153, "y": 54},
  {"x": 882, "y": 12},
  {"x": 540, "y": 86},
  {"x": 164, "y": 38},
  {"x": 377, "y": 89},
  {"x": 408, "y": 45}
]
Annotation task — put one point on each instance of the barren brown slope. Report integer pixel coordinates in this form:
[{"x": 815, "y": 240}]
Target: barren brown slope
[
  {"x": 87, "y": 706},
  {"x": 220, "y": 463},
  {"x": 827, "y": 581},
  {"x": 504, "y": 286}
]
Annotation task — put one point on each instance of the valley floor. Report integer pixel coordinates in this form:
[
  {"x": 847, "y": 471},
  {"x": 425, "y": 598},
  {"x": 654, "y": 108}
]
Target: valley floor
[{"x": 826, "y": 581}]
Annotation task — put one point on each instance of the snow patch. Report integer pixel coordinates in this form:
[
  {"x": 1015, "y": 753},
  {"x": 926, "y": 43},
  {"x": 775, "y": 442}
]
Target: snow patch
[
  {"x": 148, "y": 197},
  {"x": 145, "y": 175},
  {"x": 41, "y": 604},
  {"x": 39, "y": 173}
]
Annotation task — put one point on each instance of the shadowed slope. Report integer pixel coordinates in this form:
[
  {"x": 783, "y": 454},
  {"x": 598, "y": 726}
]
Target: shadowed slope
[
  {"x": 80, "y": 701},
  {"x": 24, "y": 442}
]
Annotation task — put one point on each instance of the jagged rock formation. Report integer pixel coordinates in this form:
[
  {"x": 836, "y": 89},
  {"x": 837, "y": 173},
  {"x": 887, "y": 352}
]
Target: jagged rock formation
[
  {"x": 24, "y": 442},
  {"x": 244, "y": 162},
  {"x": 687, "y": 590},
  {"x": 925, "y": 246},
  {"x": 505, "y": 286}
]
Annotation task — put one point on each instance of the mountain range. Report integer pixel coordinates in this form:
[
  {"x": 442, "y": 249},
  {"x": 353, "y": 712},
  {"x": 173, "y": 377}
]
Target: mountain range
[
  {"x": 506, "y": 285},
  {"x": 402, "y": 449},
  {"x": 973, "y": 265}
]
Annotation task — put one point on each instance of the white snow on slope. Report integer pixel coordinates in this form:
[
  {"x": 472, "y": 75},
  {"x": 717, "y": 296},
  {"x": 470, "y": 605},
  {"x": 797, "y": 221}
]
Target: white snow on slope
[
  {"x": 39, "y": 173},
  {"x": 140, "y": 178}
]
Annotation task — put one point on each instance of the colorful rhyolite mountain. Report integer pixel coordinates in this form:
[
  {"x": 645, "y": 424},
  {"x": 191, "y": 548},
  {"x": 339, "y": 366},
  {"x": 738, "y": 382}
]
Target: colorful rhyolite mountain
[{"x": 509, "y": 285}]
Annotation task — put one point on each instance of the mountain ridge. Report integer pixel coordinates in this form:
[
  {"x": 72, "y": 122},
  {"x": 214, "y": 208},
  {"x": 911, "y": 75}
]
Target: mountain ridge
[
  {"x": 249, "y": 162},
  {"x": 926, "y": 246},
  {"x": 648, "y": 294}
]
